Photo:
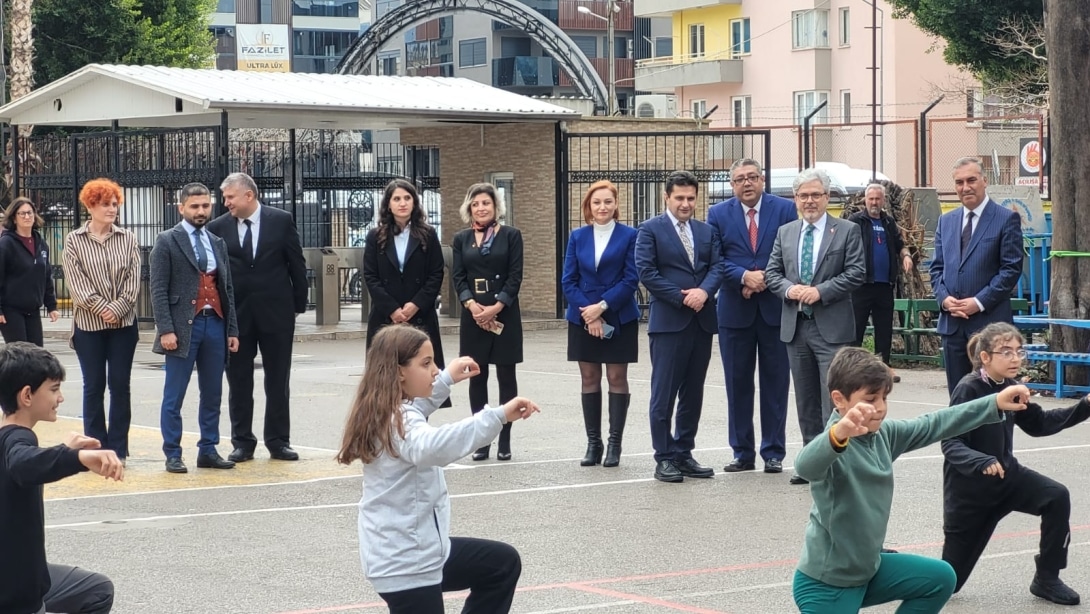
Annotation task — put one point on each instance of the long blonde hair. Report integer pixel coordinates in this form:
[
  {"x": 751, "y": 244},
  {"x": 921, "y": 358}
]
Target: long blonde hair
[{"x": 376, "y": 411}]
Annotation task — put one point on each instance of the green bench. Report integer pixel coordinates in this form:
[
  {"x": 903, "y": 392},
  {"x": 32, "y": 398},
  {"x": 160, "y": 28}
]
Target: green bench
[{"x": 913, "y": 328}]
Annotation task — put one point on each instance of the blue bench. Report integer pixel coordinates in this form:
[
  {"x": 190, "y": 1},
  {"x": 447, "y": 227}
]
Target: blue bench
[{"x": 1060, "y": 359}]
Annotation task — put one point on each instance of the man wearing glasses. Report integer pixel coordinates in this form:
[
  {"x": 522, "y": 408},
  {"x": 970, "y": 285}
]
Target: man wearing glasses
[
  {"x": 816, "y": 264},
  {"x": 749, "y": 317}
]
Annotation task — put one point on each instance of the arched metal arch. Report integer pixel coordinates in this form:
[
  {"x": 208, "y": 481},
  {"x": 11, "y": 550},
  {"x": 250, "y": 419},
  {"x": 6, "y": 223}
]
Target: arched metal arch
[{"x": 357, "y": 60}]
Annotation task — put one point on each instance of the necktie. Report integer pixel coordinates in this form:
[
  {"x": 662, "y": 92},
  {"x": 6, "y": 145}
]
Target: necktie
[
  {"x": 685, "y": 242},
  {"x": 966, "y": 233},
  {"x": 248, "y": 242},
  {"x": 753, "y": 229},
  {"x": 202, "y": 256},
  {"x": 807, "y": 264}
]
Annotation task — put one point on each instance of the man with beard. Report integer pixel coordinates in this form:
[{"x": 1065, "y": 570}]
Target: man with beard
[
  {"x": 193, "y": 301},
  {"x": 885, "y": 252}
]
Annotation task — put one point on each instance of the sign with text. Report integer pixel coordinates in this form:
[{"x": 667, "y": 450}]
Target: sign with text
[
  {"x": 1032, "y": 161},
  {"x": 263, "y": 47},
  {"x": 1023, "y": 200}
]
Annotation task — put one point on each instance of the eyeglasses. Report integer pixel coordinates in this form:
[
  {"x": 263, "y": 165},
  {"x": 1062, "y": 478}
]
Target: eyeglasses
[
  {"x": 752, "y": 178},
  {"x": 1009, "y": 354},
  {"x": 810, "y": 196},
  {"x": 25, "y": 214}
]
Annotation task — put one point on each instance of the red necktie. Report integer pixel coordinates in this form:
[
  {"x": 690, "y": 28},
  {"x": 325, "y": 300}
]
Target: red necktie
[{"x": 753, "y": 228}]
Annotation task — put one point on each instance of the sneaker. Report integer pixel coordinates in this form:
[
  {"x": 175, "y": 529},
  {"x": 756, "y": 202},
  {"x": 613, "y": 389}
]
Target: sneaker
[{"x": 1051, "y": 588}]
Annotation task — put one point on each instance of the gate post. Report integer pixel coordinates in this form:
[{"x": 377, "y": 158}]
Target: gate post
[{"x": 807, "y": 143}]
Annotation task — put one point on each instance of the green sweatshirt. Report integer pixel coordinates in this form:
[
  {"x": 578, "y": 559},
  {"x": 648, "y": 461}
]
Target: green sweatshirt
[{"x": 853, "y": 488}]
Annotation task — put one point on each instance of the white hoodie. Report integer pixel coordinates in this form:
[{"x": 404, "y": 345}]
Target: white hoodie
[{"x": 404, "y": 518}]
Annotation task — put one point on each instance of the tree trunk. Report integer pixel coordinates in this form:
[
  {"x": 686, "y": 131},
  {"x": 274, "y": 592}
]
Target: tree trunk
[
  {"x": 1068, "y": 31},
  {"x": 22, "y": 52}
]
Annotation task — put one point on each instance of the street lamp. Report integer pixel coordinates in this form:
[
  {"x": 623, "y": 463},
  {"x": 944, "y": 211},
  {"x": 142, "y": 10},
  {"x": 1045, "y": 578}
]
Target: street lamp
[{"x": 611, "y": 41}]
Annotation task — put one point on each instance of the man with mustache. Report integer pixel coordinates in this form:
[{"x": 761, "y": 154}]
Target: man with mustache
[
  {"x": 193, "y": 300},
  {"x": 816, "y": 264}
]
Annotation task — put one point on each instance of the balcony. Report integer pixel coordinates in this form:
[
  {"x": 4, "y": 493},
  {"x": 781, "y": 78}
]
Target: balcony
[
  {"x": 525, "y": 71},
  {"x": 667, "y": 73},
  {"x": 572, "y": 19},
  {"x": 623, "y": 69},
  {"x": 666, "y": 8}
]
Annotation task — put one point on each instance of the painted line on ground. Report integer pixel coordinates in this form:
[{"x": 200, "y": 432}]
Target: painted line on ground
[{"x": 208, "y": 488}]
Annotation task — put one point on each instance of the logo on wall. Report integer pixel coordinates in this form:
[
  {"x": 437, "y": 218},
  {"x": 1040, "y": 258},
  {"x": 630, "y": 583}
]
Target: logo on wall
[
  {"x": 1032, "y": 162},
  {"x": 263, "y": 47}
]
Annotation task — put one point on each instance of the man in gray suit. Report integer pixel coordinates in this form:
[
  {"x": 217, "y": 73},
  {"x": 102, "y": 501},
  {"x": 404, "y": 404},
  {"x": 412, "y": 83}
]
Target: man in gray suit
[
  {"x": 193, "y": 301},
  {"x": 816, "y": 264}
]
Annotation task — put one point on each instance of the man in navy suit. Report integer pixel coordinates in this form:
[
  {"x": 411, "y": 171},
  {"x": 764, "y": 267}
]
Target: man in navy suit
[
  {"x": 749, "y": 317},
  {"x": 977, "y": 263},
  {"x": 679, "y": 262}
]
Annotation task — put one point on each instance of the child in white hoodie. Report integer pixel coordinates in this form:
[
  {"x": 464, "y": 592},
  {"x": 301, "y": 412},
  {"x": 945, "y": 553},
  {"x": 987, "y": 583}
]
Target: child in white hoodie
[{"x": 405, "y": 545}]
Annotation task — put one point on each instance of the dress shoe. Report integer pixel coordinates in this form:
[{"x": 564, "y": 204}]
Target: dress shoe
[
  {"x": 213, "y": 460},
  {"x": 239, "y": 455},
  {"x": 175, "y": 465},
  {"x": 798, "y": 479},
  {"x": 1048, "y": 586},
  {"x": 773, "y": 465},
  {"x": 692, "y": 469},
  {"x": 667, "y": 471},
  {"x": 481, "y": 453},
  {"x": 503, "y": 456},
  {"x": 284, "y": 454},
  {"x": 736, "y": 465}
]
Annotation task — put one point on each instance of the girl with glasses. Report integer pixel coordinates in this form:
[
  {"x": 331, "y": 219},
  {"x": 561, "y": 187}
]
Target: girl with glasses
[{"x": 982, "y": 480}]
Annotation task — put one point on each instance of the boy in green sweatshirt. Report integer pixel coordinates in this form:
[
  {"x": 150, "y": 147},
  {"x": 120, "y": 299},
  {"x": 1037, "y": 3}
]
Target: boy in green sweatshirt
[{"x": 850, "y": 469}]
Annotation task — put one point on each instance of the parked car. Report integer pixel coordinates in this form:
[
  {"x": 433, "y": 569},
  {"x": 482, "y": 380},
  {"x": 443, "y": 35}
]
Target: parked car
[{"x": 780, "y": 182}]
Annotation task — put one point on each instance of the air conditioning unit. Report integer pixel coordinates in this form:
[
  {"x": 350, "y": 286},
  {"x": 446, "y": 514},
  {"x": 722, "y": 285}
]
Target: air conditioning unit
[{"x": 656, "y": 105}]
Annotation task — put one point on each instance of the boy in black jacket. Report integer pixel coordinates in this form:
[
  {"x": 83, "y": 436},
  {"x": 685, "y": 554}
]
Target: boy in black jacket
[
  {"x": 30, "y": 380},
  {"x": 982, "y": 480}
]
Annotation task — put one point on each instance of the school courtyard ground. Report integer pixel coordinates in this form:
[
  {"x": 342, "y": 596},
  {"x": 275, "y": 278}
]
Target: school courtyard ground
[{"x": 280, "y": 538}]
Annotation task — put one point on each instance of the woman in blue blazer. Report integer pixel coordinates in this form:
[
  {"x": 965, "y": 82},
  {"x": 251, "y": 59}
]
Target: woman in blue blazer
[{"x": 599, "y": 282}]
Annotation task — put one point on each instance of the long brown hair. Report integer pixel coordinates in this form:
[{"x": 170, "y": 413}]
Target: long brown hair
[
  {"x": 376, "y": 411},
  {"x": 985, "y": 340},
  {"x": 9, "y": 213},
  {"x": 418, "y": 220}
]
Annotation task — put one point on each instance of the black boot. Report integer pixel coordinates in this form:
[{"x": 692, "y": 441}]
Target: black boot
[
  {"x": 618, "y": 412},
  {"x": 481, "y": 453},
  {"x": 592, "y": 421},
  {"x": 503, "y": 450},
  {"x": 1048, "y": 586}
]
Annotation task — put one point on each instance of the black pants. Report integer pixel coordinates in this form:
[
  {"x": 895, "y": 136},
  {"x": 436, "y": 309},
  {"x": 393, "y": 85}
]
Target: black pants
[
  {"x": 276, "y": 362},
  {"x": 478, "y": 386},
  {"x": 105, "y": 359},
  {"x": 955, "y": 357},
  {"x": 77, "y": 591},
  {"x": 875, "y": 301},
  {"x": 22, "y": 326},
  {"x": 490, "y": 570},
  {"x": 968, "y": 527}
]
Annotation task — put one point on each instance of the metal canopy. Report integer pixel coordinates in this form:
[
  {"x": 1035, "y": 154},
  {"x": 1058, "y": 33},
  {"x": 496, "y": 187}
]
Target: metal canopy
[{"x": 158, "y": 97}]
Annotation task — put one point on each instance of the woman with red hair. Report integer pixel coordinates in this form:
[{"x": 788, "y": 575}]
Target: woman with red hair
[
  {"x": 102, "y": 268},
  {"x": 599, "y": 281}
]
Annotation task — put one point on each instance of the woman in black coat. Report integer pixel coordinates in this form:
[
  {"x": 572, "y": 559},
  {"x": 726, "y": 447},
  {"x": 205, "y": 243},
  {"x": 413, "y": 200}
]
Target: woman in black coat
[
  {"x": 487, "y": 275},
  {"x": 26, "y": 276},
  {"x": 403, "y": 266}
]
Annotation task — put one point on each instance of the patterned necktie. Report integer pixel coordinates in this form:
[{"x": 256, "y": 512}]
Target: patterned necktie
[
  {"x": 686, "y": 242},
  {"x": 966, "y": 234},
  {"x": 753, "y": 228},
  {"x": 202, "y": 256},
  {"x": 807, "y": 264},
  {"x": 248, "y": 242}
]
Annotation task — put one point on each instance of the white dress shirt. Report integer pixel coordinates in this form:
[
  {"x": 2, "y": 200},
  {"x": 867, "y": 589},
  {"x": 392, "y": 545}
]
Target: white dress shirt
[
  {"x": 255, "y": 227},
  {"x": 688, "y": 230},
  {"x": 602, "y": 233},
  {"x": 819, "y": 233},
  {"x": 401, "y": 246}
]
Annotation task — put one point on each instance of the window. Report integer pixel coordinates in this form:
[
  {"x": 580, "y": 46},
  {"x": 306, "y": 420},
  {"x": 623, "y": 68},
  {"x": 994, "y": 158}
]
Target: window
[
  {"x": 325, "y": 8},
  {"x": 696, "y": 40},
  {"x": 646, "y": 203},
  {"x": 225, "y": 6},
  {"x": 390, "y": 64},
  {"x": 810, "y": 29},
  {"x": 385, "y": 6},
  {"x": 319, "y": 51},
  {"x": 806, "y": 102},
  {"x": 974, "y": 103},
  {"x": 699, "y": 108},
  {"x": 505, "y": 188},
  {"x": 741, "y": 114},
  {"x": 845, "y": 106},
  {"x": 587, "y": 44},
  {"x": 265, "y": 11},
  {"x": 471, "y": 52},
  {"x": 739, "y": 37},
  {"x": 664, "y": 47},
  {"x": 845, "y": 26}
]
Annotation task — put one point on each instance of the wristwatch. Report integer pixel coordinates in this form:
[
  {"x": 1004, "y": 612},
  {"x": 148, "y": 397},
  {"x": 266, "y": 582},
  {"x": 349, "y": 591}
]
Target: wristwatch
[{"x": 603, "y": 305}]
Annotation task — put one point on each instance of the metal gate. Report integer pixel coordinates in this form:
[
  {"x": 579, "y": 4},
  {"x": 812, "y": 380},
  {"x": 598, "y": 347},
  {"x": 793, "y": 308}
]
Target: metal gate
[{"x": 638, "y": 163}]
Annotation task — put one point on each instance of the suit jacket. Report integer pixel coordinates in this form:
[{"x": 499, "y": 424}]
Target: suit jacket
[
  {"x": 665, "y": 271},
  {"x": 391, "y": 287},
  {"x": 269, "y": 292},
  {"x": 489, "y": 279},
  {"x": 732, "y": 225},
  {"x": 840, "y": 270},
  {"x": 614, "y": 280},
  {"x": 174, "y": 282},
  {"x": 988, "y": 271}
]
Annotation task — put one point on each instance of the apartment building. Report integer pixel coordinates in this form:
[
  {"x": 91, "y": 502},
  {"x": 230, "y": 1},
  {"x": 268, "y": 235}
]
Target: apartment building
[
  {"x": 759, "y": 63},
  {"x": 285, "y": 35},
  {"x": 478, "y": 47}
]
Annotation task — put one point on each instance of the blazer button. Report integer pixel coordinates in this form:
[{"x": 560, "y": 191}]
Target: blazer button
[
  {"x": 192, "y": 302},
  {"x": 189, "y": 321},
  {"x": 497, "y": 277}
]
